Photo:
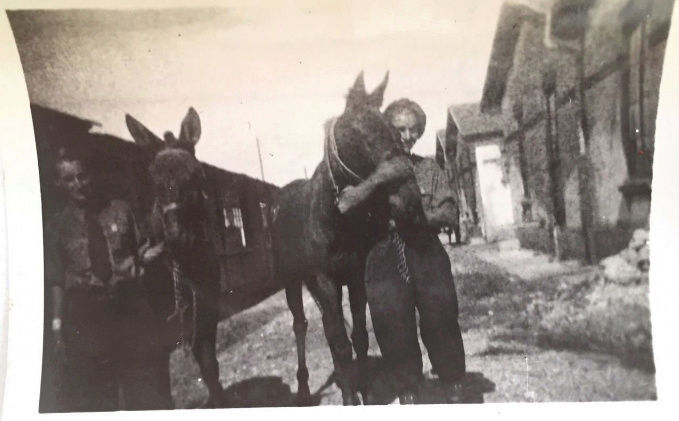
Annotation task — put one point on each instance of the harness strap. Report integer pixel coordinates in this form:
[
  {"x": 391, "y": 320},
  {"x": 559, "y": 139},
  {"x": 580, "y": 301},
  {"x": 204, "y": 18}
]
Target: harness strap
[
  {"x": 400, "y": 245},
  {"x": 180, "y": 305},
  {"x": 331, "y": 148},
  {"x": 326, "y": 155}
]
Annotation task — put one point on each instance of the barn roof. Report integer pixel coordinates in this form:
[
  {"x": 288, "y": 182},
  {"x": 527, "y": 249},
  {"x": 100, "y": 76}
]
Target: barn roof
[
  {"x": 61, "y": 119},
  {"x": 57, "y": 128},
  {"x": 471, "y": 122},
  {"x": 512, "y": 17}
]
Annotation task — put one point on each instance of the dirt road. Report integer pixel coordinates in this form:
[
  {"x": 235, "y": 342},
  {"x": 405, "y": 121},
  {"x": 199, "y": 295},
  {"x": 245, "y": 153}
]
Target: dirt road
[{"x": 257, "y": 354}]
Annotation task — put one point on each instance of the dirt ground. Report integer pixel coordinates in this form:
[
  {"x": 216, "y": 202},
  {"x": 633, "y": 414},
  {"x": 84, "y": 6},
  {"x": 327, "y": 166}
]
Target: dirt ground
[{"x": 258, "y": 361}]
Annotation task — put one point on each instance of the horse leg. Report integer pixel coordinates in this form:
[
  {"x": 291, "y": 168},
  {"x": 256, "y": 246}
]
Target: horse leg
[
  {"x": 293, "y": 294},
  {"x": 327, "y": 294},
  {"x": 205, "y": 352},
  {"x": 359, "y": 333}
]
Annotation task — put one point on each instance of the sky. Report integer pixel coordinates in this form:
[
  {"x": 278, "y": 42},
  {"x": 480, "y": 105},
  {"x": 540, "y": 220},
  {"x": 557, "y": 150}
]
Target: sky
[{"x": 252, "y": 70}]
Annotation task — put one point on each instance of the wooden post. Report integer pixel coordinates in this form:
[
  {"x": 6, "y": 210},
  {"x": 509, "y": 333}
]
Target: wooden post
[
  {"x": 584, "y": 175},
  {"x": 553, "y": 165}
]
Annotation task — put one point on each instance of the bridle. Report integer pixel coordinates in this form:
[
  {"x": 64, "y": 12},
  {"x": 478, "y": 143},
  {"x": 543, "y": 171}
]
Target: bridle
[
  {"x": 179, "y": 280},
  {"x": 175, "y": 206},
  {"x": 331, "y": 149},
  {"x": 396, "y": 239}
]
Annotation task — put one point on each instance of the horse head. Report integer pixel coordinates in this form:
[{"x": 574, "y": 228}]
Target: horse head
[
  {"x": 369, "y": 145},
  {"x": 178, "y": 179},
  {"x": 362, "y": 137}
]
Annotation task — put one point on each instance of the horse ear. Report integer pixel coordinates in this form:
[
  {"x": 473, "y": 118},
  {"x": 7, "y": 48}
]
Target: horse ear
[
  {"x": 143, "y": 136},
  {"x": 359, "y": 84},
  {"x": 357, "y": 93},
  {"x": 190, "y": 130},
  {"x": 376, "y": 98}
]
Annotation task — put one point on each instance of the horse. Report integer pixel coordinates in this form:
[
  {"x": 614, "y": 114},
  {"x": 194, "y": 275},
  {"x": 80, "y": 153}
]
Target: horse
[
  {"x": 183, "y": 219},
  {"x": 317, "y": 245}
]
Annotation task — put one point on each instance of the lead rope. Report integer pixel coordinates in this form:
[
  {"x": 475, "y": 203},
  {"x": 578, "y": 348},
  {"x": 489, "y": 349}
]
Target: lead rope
[
  {"x": 402, "y": 265},
  {"x": 180, "y": 305}
]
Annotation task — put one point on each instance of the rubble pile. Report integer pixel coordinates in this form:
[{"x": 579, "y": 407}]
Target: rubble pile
[
  {"x": 630, "y": 266},
  {"x": 608, "y": 311}
]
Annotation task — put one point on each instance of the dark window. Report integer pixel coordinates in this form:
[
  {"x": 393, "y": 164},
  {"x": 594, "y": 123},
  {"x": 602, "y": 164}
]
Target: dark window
[
  {"x": 265, "y": 223},
  {"x": 234, "y": 228}
]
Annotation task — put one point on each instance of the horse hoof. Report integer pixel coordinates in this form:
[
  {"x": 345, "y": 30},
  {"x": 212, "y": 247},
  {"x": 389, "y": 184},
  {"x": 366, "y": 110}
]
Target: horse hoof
[
  {"x": 215, "y": 400},
  {"x": 367, "y": 398},
  {"x": 210, "y": 404},
  {"x": 407, "y": 398},
  {"x": 351, "y": 400},
  {"x": 454, "y": 393},
  {"x": 303, "y": 400}
]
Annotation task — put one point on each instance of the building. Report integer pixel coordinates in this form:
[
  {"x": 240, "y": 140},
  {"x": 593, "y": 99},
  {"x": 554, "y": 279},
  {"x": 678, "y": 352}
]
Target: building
[
  {"x": 474, "y": 143},
  {"x": 579, "y": 172},
  {"x": 120, "y": 168}
]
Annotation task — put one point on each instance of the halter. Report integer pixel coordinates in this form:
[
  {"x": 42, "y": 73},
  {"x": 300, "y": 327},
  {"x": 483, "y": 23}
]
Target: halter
[
  {"x": 331, "y": 148},
  {"x": 396, "y": 239},
  {"x": 180, "y": 280}
]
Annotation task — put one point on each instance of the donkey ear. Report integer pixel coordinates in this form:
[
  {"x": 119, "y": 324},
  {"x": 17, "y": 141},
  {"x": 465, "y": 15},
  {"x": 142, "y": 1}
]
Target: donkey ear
[
  {"x": 190, "y": 131},
  {"x": 143, "y": 136},
  {"x": 376, "y": 98},
  {"x": 357, "y": 94},
  {"x": 359, "y": 84}
]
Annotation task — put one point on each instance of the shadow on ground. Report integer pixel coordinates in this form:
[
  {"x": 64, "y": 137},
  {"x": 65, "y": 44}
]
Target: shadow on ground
[
  {"x": 381, "y": 389},
  {"x": 271, "y": 391},
  {"x": 258, "y": 392}
]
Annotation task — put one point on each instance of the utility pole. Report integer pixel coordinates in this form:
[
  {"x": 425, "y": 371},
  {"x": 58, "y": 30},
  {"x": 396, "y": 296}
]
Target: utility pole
[
  {"x": 259, "y": 154},
  {"x": 306, "y": 177}
]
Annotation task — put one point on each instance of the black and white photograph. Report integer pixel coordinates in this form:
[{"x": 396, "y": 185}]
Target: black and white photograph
[{"x": 248, "y": 204}]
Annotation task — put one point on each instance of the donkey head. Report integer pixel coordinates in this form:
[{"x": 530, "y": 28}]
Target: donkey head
[
  {"x": 177, "y": 176},
  {"x": 367, "y": 143},
  {"x": 363, "y": 137}
]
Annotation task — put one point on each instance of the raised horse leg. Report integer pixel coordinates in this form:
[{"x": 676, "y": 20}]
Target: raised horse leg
[
  {"x": 328, "y": 295},
  {"x": 293, "y": 294},
  {"x": 204, "y": 349},
  {"x": 359, "y": 333}
]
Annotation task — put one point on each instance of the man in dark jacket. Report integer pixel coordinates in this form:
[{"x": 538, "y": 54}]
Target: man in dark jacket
[
  {"x": 411, "y": 270},
  {"x": 102, "y": 325}
]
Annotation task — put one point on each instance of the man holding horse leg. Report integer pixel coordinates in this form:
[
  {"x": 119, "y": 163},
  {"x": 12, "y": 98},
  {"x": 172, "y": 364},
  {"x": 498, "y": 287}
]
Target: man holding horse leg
[
  {"x": 103, "y": 328},
  {"x": 410, "y": 270}
]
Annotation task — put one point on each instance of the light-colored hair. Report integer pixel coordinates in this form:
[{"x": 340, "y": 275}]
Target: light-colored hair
[{"x": 404, "y": 104}]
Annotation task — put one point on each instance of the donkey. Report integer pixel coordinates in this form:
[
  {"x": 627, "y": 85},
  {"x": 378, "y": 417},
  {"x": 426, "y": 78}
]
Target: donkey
[
  {"x": 315, "y": 244},
  {"x": 183, "y": 218}
]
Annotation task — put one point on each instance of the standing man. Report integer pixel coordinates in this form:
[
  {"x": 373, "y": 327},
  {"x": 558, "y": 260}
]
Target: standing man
[
  {"x": 410, "y": 270},
  {"x": 103, "y": 328}
]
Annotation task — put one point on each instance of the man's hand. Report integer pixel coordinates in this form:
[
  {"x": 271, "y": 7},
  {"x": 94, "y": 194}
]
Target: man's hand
[
  {"x": 388, "y": 171},
  {"x": 148, "y": 254},
  {"x": 351, "y": 197},
  {"x": 393, "y": 169}
]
